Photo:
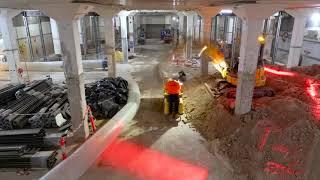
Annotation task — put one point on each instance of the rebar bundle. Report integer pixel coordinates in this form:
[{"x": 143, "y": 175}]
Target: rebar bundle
[
  {"x": 31, "y": 158},
  {"x": 7, "y": 94},
  {"x": 37, "y": 105},
  {"x": 31, "y": 137}
]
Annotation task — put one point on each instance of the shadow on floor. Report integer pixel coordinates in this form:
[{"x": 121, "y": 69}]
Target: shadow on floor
[{"x": 150, "y": 123}]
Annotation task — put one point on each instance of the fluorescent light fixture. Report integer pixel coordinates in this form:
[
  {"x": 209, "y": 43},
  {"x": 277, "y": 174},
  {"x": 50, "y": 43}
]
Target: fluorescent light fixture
[
  {"x": 174, "y": 18},
  {"x": 315, "y": 19},
  {"x": 226, "y": 11}
]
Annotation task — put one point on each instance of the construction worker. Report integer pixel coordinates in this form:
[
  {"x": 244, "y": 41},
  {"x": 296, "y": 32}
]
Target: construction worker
[{"x": 173, "y": 91}]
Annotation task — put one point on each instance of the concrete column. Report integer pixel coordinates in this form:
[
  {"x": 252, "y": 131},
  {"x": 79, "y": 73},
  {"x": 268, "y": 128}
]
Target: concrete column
[
  {"x": 66, "y": 16},
  {"x": 197, "y": 29},
  {"x": 251, "y": 29},
  {"x": 201, "y": 31},
  {"x": 110, "y": 45},
  {"x": 181, "y": 30},
  {"x": 55, "y": 37},
  {"x": 124, "y": 37},
  {"x": 296, "y": 41},
  {"x": 137, "y": 28},
  {"x": 11, "y": 49},
  {"x": 206, "y": 40},
  {"x": 189, "y": 35},
  {"x": 131, "y": 34},
  {"x": 73, "y": 70},
  {"x": 207, "y": 14},
  {"x": 269, "y": 37},
  {"x": 206, "y": 20}
]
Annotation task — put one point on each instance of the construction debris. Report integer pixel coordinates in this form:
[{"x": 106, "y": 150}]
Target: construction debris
[{"x": 107, "y": 96}]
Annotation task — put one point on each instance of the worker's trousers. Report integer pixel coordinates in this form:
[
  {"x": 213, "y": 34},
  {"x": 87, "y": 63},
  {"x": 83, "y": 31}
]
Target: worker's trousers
[{"x": 173, "y": 103}]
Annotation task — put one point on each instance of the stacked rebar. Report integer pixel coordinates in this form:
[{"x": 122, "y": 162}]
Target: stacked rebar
[
  {"x": 7, "y": 94},
  {"x": 46, "y": 117},
  {"x": 31, "y": 158},
  {"x": 37, "y": 105},
  {"x": 23, "y": 148},
  {"x": 30, "y": 137}
]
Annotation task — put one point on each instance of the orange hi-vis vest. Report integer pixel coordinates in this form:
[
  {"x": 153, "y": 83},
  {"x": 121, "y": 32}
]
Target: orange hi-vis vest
[{"x": 173, "y": 87}]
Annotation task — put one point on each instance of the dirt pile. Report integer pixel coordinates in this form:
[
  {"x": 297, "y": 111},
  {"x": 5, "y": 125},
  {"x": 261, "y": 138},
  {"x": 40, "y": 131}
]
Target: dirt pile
[
  {"x": 277, "y": 140},
  {"x": 274, "y": 141}
]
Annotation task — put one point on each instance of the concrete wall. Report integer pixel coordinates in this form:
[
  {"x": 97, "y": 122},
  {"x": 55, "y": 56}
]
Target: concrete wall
[
  {"x": 310, "y": 52},
  {"x": 310, "y": 47},
  {"x": 153, "y": 24},
  {"x": 154, "y": 19},
  {"x": 55, "y": 36}
]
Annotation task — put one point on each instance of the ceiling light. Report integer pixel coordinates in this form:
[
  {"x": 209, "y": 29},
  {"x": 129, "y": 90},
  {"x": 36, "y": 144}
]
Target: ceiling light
[{"x": 226, "y": 11}]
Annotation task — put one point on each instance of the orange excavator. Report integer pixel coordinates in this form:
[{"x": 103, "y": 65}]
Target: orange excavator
[{"x": 230, "y": 72}]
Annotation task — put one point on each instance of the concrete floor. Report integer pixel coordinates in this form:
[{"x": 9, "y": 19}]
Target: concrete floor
[{"x": 151, "y": 129}]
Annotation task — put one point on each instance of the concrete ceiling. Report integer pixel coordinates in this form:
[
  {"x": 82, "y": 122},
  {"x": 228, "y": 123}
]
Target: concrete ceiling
[
  {"x": 161, "y": 4},
  {"x": 183, "y": 4}
]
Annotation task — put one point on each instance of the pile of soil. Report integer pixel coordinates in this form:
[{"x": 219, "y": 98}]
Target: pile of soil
[{"x": 276, "y": 140}]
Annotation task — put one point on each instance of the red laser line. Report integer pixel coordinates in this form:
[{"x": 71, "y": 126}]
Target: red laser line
[
  {"x": 277, "y": 72},
  {"x": 280, "y": 148},
  {"x": 275, "y": 168},
  {"x": 150, "y": 164},
  {"x": 264, "y": 138}
]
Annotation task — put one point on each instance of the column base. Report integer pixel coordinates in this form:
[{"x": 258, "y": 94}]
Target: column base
[
  {"x": 294, "y": 57},
  {"x": 204, "y": 66},
  {"x": 76, "y": 97},
  {"x": 245, "y": 87}
]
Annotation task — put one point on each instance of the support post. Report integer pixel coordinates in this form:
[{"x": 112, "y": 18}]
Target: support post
[
  {"x": 251, "y": 29},
  {"x": 73, "y": 70},
  {"x": 110, "y": 45},
  {"x": 189, "y": 35},
  {"x": 201, "y": 31},
  {"x": 196, "y": 29},
  {"x": 206, "y": 40},
  {"x": 296, "y": 41},
  {"x": 66, "y": 17},
  {"x": 276, "y": 40},
  {"x": 181, "y": 30},
  {"x": 252, "y": 22},
  {"x": 206, "y": 14},
  {"x": 10, "y": 44},
  {"x": 124, "y": 37},
  {"x": 131, "y": 34}
]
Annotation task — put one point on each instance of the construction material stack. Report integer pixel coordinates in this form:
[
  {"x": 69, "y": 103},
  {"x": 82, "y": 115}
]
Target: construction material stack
[
  {"x": 36, "y": 105},
  {"x": 107, "y": 96},
  {"x": 35, "y": 117},
  {"x": 25, "y": 111}
]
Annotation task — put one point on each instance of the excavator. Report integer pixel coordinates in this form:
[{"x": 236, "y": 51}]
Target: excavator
[{"x": 229, "y": 73}]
